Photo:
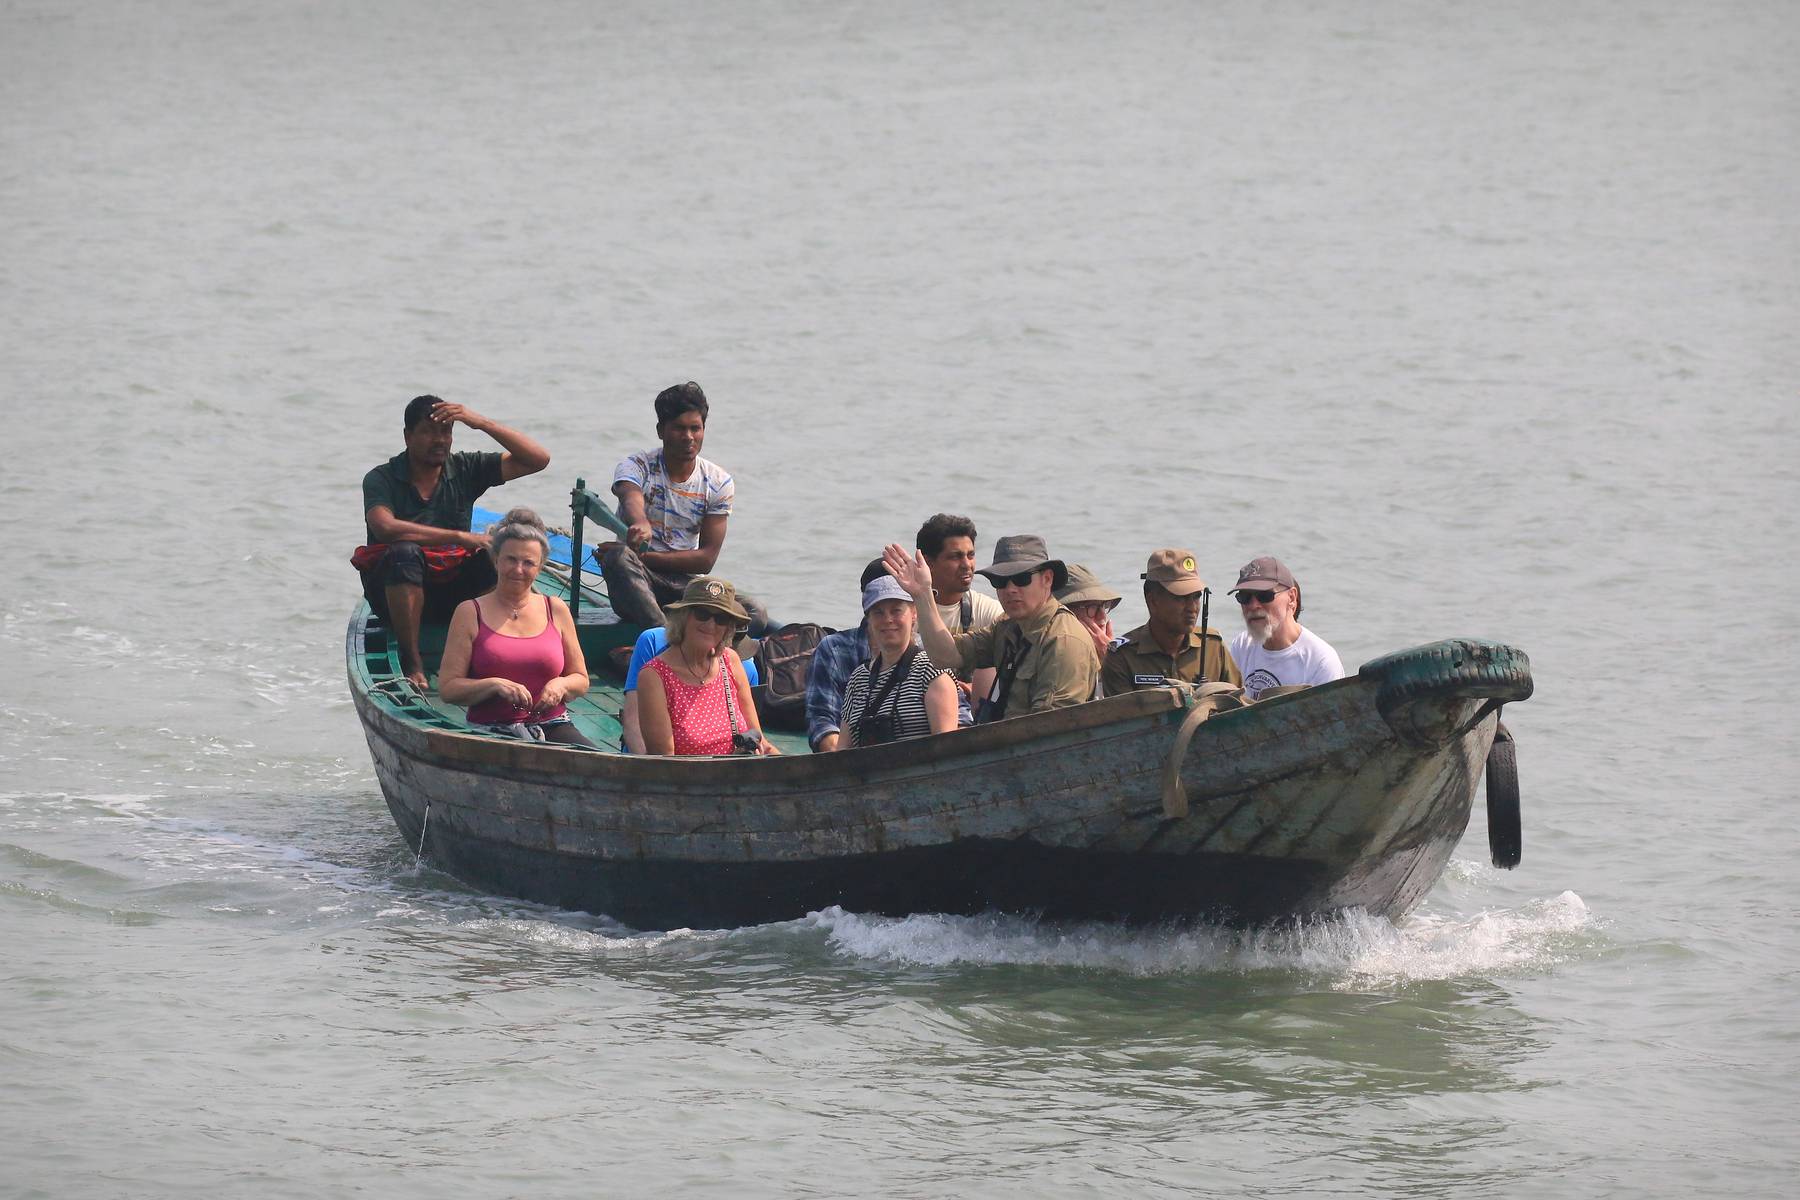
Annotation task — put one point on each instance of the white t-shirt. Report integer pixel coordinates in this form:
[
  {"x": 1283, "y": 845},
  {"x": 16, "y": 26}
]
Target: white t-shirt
[
  {"x": 983, "y": 611},
  {"x": 675, "y": 509},
  {"x": 1308, "y": 660}
]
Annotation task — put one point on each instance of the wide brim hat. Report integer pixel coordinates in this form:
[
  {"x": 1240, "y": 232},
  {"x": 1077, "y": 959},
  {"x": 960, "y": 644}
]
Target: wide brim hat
[
  {"x": 1084, "y": 587},
  {"x": 1021, "y": 553},
  {"x": 1264, "y": 574},
  {"x": 707, "y": 592}
]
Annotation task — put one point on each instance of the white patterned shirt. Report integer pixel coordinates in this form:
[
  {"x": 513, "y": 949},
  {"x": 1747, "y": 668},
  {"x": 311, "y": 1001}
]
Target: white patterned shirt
[{"x": 675, "y": 509}]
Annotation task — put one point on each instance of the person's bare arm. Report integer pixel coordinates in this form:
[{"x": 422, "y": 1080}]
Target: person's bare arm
[
  {"x": 746, "y": 704},
  {"x": 573, "y": 682},
  {"x": 698, "y": 561},
  {"x": 653, "y": 714},
  {"x": 631, "y": 733},
  {"x": 940, "y": 703},
  {"x": 631, "y": 511},
  {"x": 520, "y": 454},
  {"x": 389, "y": 529},
  {"x": 915, "y": 576}
]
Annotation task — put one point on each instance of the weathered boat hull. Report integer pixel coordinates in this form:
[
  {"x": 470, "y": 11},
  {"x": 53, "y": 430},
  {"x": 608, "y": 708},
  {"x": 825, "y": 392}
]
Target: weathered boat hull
[{"x": 1353, "y": 794}]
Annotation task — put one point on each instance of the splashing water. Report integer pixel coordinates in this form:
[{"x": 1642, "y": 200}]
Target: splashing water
[{"x": 1352, "y": 950}]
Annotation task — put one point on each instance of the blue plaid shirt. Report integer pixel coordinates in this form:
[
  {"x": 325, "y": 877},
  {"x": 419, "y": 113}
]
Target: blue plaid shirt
[{"x": 836, "y": 655}]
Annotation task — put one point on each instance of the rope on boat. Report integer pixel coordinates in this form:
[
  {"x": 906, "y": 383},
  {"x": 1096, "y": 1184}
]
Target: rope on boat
[
  {"x": 1204, "y": 701},
  {"x": 419, "y": 858}
]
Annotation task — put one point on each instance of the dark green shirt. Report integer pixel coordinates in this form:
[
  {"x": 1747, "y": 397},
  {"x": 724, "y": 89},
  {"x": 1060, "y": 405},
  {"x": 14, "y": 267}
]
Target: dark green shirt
[{"x": 467, "y": 474}]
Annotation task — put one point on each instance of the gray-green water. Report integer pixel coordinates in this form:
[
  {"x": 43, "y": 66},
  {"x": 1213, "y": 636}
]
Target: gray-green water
[{"x": 1481, "y": 316}]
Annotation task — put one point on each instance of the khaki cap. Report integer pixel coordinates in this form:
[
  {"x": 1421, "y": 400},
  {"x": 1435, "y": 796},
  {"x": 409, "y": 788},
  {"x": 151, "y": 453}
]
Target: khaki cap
[{"x": 1174, "y": 570}]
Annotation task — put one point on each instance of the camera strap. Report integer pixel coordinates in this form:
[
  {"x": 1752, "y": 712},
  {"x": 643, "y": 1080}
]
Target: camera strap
[
  {"x": 730, "y": 704},
  {"x": 995, "y": 706},
  {"x": 889, "y": 688}
]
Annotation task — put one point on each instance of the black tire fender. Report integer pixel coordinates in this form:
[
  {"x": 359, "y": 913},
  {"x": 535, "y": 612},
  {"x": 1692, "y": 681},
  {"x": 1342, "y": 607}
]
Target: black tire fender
[{"x": 1505, "y": 841}]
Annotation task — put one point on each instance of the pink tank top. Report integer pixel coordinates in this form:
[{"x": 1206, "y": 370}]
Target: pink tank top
[
  {"x": 532, "y": 661},
  {"x": 698, "y": 716}
]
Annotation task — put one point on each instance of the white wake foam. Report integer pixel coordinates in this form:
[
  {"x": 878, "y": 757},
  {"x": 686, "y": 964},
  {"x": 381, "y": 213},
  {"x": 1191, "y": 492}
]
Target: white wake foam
[{"x": 1354, "y": 950}]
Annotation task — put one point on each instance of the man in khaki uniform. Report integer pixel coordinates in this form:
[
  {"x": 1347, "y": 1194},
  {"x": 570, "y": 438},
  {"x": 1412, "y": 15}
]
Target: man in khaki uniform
[
  {"x": 1168, "y": 647},
  {"x": 1042, "y": 655}
]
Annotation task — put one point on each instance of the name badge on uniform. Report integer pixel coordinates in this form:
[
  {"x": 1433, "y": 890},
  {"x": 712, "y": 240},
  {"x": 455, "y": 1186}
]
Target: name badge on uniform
[{"x": 1149, "y": 680}]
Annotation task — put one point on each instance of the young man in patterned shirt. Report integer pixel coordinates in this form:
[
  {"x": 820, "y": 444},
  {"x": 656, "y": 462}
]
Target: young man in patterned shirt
[{"x": 676, "y": 505}]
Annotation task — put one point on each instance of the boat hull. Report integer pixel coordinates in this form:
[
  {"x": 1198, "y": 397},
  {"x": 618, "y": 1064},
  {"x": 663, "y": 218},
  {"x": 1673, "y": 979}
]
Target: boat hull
[{"x": 1349, "y": 795}]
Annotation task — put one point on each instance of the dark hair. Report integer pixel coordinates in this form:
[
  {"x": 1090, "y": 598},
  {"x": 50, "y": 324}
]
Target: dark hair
[
  {"x": 671, "y": 402},
  {"x": 942, "y": 527},
  {"x": 417, "y": 409},
  {"x": 875, "y": 570}
]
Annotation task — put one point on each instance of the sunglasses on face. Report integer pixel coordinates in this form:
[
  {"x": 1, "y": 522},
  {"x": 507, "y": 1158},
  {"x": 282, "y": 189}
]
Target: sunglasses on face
[
  {"x": 1018, "y": 581},
  {"x": 709, "y": 617},
  {"x": 1259, "y": 597}
]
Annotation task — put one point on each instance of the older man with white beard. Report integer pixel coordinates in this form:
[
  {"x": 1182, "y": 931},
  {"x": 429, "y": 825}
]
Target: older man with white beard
[{"x": 1274, "y": 650}]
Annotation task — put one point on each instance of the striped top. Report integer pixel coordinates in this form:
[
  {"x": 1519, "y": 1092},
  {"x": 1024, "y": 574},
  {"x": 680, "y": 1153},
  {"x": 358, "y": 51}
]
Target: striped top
[{"x": 905, "y": 701}]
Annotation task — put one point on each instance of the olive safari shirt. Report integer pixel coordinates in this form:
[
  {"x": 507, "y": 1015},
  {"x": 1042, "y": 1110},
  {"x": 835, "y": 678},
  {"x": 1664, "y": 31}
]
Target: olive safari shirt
[
  {"x": 1059, "y": 667},
  {"x": 467, "y": 474},
  {"x": 1136, "y": 661}
]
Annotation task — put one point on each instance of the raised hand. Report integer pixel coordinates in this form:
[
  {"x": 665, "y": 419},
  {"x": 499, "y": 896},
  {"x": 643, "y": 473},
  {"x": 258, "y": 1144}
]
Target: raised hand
[{"x": 911, "y": 571}]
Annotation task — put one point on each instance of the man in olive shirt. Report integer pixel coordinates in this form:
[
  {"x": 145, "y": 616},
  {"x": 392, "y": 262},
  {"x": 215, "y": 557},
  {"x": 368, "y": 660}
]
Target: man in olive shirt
[
  {"x": 1042, "y": 654},
  {"x": 1168, "y": 647},
  {"x": 425, "y": 496}
]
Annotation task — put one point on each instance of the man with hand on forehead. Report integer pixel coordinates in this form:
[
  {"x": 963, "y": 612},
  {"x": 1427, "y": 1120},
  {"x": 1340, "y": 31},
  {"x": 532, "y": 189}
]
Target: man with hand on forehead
[
  {"x": 1168, "y": 648},
  {"x": 1042, "y": 654},
  {"x": 421, "y": 560},
  {"x": 1274, "y": 650}
]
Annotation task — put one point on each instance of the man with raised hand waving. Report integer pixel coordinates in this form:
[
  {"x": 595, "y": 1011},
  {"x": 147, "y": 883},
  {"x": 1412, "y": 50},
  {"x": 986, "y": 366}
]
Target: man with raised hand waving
[{"x": 1042, "y": 654}]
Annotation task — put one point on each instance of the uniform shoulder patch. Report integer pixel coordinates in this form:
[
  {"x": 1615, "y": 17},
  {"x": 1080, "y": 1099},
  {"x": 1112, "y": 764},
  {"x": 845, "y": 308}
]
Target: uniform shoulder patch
[{"x": 1116, "y": 642}]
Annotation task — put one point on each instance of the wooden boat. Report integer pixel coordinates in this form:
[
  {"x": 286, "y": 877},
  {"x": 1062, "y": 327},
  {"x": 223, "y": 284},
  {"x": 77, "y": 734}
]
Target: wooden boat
[{"x": 1165, "y": 803}]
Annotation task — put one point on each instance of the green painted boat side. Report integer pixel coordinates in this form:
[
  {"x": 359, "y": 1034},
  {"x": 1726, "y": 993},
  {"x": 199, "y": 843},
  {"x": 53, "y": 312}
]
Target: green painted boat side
[{"x": 1353, "y": 794}]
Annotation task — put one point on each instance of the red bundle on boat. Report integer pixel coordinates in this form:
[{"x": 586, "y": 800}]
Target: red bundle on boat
[{"x": 441, "y": 562}]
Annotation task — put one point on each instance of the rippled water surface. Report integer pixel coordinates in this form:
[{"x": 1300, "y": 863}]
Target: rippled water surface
[{"x": 1481, "y": 317}]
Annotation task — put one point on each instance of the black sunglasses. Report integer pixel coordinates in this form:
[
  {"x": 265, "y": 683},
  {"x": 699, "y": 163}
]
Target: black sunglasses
[
  {"x": 1018, "y": 581},
  {"x": 1245, "y": 597},
  {"x": 712, "y": 616}
]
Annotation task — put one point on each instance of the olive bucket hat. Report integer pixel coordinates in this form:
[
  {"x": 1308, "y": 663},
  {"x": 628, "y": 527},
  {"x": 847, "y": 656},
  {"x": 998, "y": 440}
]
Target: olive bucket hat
[
  {"x": 1020, "y": 553},
  {"x": 707, "y": 592},
  {"x": 1084, "y": 587}
]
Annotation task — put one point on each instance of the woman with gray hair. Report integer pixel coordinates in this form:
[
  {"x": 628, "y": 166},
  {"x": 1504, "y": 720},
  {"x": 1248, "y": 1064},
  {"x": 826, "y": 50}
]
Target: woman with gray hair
[{"x": 511, "y": 656}]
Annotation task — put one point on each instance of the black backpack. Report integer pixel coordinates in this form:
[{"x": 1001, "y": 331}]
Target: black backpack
[{"x": 782, "y": 661}]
